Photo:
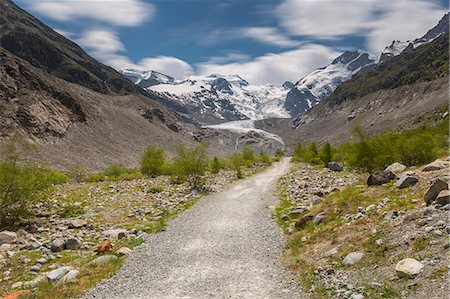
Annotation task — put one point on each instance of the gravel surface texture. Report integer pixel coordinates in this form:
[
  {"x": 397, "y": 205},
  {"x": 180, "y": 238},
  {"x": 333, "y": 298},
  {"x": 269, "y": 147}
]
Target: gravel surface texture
[{"x": 225, "y": 246}]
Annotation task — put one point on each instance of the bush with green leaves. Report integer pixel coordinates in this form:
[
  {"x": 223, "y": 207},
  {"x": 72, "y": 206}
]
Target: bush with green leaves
[
  {"x": 190, "y": 165},
  {"x": 215, "y": 165},
  {"x": 155, "y": 188},
  {"x": 264, "y": 158},
  {"x": 22, "y": 185},
  {"x": 326, "y": 153},
  {"x": 237, "y": 161},
  {"x": 153, "y": 161}
]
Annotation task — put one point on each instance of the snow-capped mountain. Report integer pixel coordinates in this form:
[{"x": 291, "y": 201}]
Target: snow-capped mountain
[
  {"x": 216, "y": 98},
  {"x": 319, "y": 84},
  {"x": 397, "y": 47},
  {"x": 147, "y": 78}
]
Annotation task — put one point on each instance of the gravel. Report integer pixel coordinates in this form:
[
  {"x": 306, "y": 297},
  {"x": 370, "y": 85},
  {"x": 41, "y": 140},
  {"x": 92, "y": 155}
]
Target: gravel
[{"x": 225, "y": 246}]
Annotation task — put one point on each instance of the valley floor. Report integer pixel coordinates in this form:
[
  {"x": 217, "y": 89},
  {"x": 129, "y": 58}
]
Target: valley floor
[{"x": 225, "y": 246}]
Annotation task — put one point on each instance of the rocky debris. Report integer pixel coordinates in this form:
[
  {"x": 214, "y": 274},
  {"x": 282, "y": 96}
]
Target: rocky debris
[
  {"x": 436, "y": 187},
  {"x": 406, "y": 181},
  {"x": 104, "y": 259},
  {"x": 436, "y": 165},
  {"x": 123, "y": 251},
  {"x": 7, "y": 237},
  {"x": 70, "y": 277},
  {"x": 77, "y": 223},
  {"x": 352, "y": 258},
  {"x": 334, "y": 166},
  {"x": 379, "y": 178},
  {"x": 57, "y": 274},
  {"x": 408, "y": 267},
  {"x": 396, "y": 167}
]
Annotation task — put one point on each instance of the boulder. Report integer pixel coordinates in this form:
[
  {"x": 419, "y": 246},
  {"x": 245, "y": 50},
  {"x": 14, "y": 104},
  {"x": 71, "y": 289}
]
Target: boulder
[
  {"x": 435, "y": 165},
  {"x": 443, "y": 197},
  {"x": 104, "y": 259},
  {"x": 396, "y": 167},
  {"x": 334, "y": 166},
  {"x": 408, "y": 268},
  {"x": 70, "y": 277},
  {"x": 436, "y": 187},
  {"x": 72, "y": 243},
  {"x": 380, "y": 177},
  {"x": 318, "y": 219},
  {"x": 406, "y": 181},
  {"x": 58, "y": 244},
  {"x": 57, "y": 274},
  {"x": 123, "y": 251},
  {"x": 352, "y": 258},
  {"x": 77, "y": 223},
  {"x": 7, "y": 237},
  {"x": 116, "y": 233}
]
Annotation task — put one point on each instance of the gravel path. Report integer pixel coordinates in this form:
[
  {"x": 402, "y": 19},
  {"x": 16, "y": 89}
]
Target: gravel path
[{"x": 225, "y": 246}]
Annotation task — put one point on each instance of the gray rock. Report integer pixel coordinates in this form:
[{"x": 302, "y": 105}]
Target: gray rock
[
  {"x": 334, "y": 166},
  {"x": 352, "y": 258},
  {"x": 380, "y": 177},
  {"x": 331, "y": 252},
  {"x": 357, "y": 296},
  {"x": 57, "y": 274},
  {"x": 7, "y": 237},
  {"x": 435, "y": 165},
  {"x": 77, "y": 223},
  {"x": 406, "y": 181},
  {"x": 318, "y": 219},
  {"x": 443, "y": 197},
  {"x": 42, "y": 261},
  {"x": 72, "y": 243},
  {"x": 70, "y": 277},
  {"x": 58, "y": 244},
  {"x": 116, "y": 233},
  {"x": 36, "y": 268},
  {"x": 17, "y": 285},
  {"x": 436, "y": 187},
  {"x": 408, "y": 267},
  {"x": 104, "y": 259},
  {"x": 396, "y": 167}
]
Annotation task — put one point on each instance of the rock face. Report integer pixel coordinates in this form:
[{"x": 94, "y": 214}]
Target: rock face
[
  {"x": 380, "y": 177},
  {"x": 406, "y": 181},
  {"x": 334, "y": 166},
  {"x": 408, "y": 268},
  {"x": 352, "y": 258},
  {"x": 396, "y": 167},
  {"x": 436, "y": 187},
  {"x": 7, "y": 237}
]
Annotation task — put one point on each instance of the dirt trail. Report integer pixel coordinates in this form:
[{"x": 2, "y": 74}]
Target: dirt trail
[{"x": 225, "y": 246}]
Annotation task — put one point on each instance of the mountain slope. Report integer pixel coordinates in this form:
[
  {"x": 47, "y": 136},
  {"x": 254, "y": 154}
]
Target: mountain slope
[
  {"x": 214, "y": 98},
  {"x": 398, "y": 47},
  {"x": 30, "y": 39},
  {"x": 319, "y": 84},
  {"x": 406, "y": 91}
]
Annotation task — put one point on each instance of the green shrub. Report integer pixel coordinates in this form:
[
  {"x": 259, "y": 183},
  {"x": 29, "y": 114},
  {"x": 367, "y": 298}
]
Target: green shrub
[
  {"x": 77, "y": 173},
  {"x": 326, "y": 153},
  {"x": 21, "y": 186},
  {"x": 215, "y": 165},
  {"x": 152, "y": 161},
  {"x": 190, "y": 165},
  {"x": 279, "y": 153},
  {"x": 155, "y": 188},
  {"x": 264, "y": 158},
  {"x": 237, "y": 161}
]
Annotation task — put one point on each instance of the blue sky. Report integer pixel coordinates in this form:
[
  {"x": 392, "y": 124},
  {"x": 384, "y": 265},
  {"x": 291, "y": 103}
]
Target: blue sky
[{"x": 263, "y": 41}]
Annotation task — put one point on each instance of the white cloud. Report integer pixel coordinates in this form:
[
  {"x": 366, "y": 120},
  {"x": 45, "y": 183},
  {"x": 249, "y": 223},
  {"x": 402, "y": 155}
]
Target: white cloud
[
  {"x": 64, "y": 33},
  {"x": 275, "y": 68},
  {"x": 171, "y": 66},
  {"x": 116, "y": 12},
  {"x": 381, "y": 21},
  {"x": 229, "y": 57},
  {"x": 102, "y": 41},
  {"x": 268, "y": 35}
]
